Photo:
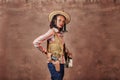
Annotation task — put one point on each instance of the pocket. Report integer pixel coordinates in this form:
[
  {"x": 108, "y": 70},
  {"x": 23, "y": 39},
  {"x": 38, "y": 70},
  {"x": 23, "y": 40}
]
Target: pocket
[{"x": 57, "y": 66}]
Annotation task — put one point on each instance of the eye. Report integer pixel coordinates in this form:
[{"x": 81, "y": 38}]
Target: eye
[
  {"x": 63, "y": 21},
  {"x": 59, "y": 20}
]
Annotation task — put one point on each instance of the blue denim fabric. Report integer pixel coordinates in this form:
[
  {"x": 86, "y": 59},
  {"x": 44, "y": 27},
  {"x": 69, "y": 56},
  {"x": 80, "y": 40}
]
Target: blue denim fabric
[{"x": 54, "y": 74}]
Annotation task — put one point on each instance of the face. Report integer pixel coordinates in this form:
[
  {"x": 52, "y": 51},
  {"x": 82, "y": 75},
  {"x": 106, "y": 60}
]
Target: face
[{"x": 60, "y": 21}]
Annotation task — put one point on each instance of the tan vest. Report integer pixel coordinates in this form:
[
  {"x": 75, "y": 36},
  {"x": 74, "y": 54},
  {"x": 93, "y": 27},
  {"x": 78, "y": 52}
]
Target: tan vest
[{"x": 56, "y": 47}]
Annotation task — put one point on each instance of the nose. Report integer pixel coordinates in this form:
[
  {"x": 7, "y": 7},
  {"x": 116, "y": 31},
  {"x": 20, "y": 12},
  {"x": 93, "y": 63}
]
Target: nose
[{"x": 61, "y": 24}]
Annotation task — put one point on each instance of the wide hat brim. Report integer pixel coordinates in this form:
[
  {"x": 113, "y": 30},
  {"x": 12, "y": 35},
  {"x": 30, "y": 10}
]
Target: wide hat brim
[{"x": 66, "y": 15}]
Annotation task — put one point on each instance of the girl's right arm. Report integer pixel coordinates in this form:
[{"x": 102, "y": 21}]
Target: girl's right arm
[{"x": 39, "y": 40}]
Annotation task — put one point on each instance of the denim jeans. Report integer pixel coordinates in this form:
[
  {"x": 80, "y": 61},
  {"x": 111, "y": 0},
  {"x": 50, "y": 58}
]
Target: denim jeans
[{"x": 55, "y": 75}]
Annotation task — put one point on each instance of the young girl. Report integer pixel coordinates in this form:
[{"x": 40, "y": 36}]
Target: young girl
[{"x": 55, "y": 43}]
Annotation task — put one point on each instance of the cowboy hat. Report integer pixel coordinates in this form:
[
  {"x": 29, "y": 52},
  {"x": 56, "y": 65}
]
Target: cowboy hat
[{"x": 66, "y": 15}]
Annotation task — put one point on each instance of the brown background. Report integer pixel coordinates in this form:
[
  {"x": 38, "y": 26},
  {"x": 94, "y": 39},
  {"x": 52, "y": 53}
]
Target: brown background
[{"x": 93, "y": 38}]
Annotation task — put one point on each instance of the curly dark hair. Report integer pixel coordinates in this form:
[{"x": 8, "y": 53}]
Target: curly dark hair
[{"x": 53, "y": 24}]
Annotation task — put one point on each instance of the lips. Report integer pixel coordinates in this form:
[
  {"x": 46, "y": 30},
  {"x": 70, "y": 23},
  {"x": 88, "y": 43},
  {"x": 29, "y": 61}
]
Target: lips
[{"x": 61, "y": 25}]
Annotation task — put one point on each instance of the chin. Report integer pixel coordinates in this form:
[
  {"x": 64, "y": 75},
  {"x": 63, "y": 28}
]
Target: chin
[{"x": 61, "y": 27}]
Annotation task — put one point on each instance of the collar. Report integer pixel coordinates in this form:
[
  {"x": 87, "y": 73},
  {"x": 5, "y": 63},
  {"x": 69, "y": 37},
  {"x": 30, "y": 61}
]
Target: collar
[{"x": 56, "y": 30}]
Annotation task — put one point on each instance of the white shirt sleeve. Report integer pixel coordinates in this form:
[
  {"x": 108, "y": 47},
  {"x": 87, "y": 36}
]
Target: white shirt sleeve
[{"x": 42, "y": 38}]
